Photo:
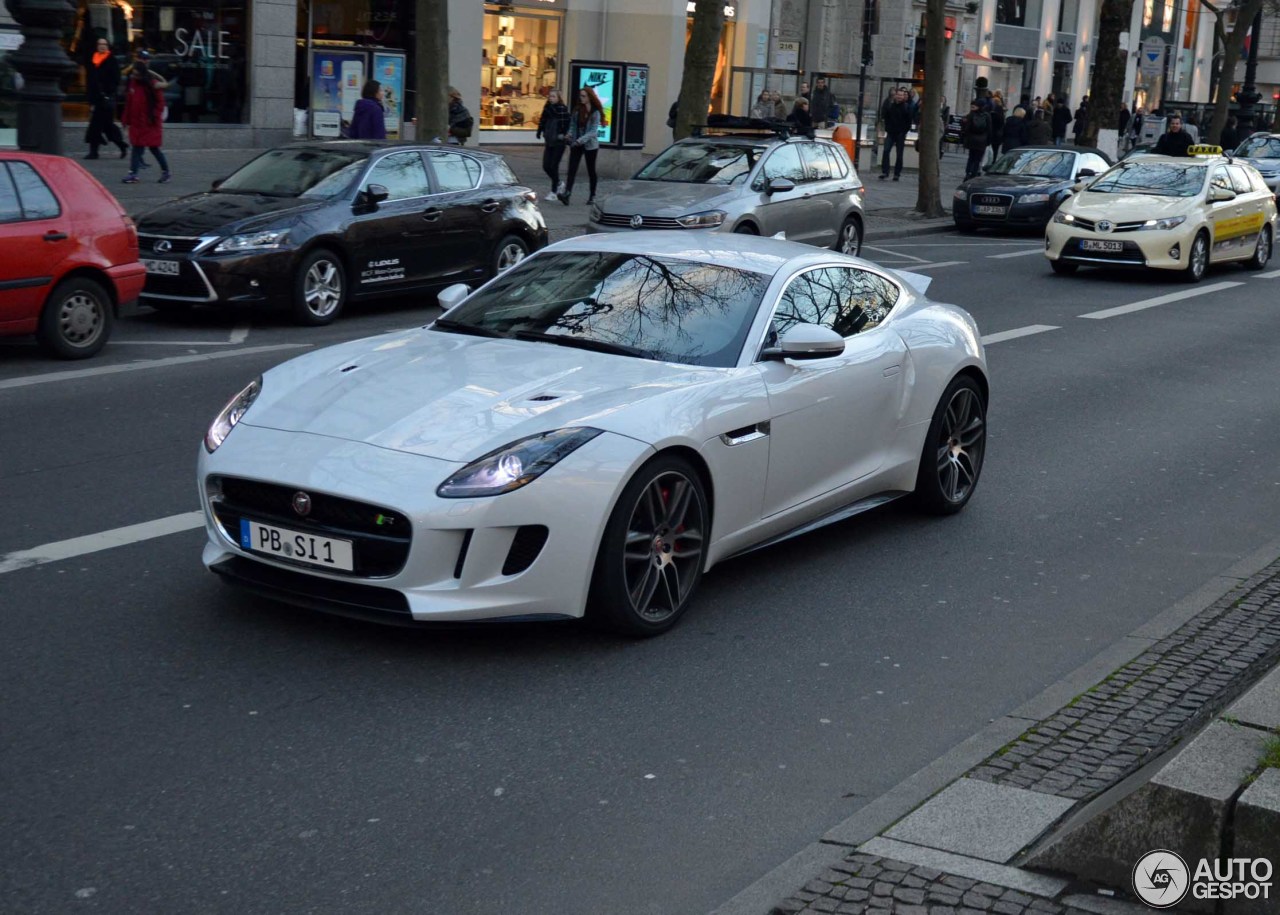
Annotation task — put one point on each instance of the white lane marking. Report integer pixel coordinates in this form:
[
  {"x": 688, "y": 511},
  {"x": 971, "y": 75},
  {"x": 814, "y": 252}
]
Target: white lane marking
[
  {"x": 1036, "y": 250},
  {"x": 1269, "y": 275},
  {"x": 74, "y": 374},
  {"x": 1159, "y": 300},
  {"x": 1017, "y": 332},
  {"x": 894, "y": 253},
  {"x": 104, "y": 540},
  {"x": 239, "y": 334},
  {"x": 937, "y": 264},
  {"x": 171, "y": 343}
]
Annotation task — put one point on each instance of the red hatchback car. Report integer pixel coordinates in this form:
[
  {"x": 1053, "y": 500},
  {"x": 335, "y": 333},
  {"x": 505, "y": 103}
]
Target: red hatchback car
[{"x": 68, "y": 254}]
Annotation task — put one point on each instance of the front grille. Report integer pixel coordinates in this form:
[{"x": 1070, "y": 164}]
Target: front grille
[
  {"x": 178, "y": 245},
  {"x": 992, "y": 200},
  {"x": 650, "y": 222},
  {"x": 525, "y": 547},
  {"x": 380, "y": 536},
  {"x": 188, "y": 284},
  {"x": 1087, "y": 224}
]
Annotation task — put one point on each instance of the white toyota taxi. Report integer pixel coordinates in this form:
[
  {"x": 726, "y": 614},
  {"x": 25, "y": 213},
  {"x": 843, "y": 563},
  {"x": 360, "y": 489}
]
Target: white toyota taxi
[{"x": 1167, "y": 213}]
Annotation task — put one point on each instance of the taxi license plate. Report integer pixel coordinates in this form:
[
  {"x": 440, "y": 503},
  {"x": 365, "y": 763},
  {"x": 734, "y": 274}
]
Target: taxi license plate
[
  {"x": 1112, "y": 247},
  {"x": 981, "y": 210},
  {"x": 163, "y": 268},
  {"x": 326, "y": 552}
]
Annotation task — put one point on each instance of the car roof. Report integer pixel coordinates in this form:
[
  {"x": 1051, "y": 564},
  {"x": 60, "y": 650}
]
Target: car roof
[
  {"x": 742, "y": 252},
  {"x": 1065, "y": 148},
  {"x": 368, "y": 147},
  {"x": 742, "y": 139}
]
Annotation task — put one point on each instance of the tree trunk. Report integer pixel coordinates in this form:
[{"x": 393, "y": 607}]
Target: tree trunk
[
  {"x": 431, "y": 72},
  {"x": 928, "y": 193},
  {"x": 1230, "y": 57},
  {"x": 1106, "y": 91},
  {"x": 700, "y": 57}
]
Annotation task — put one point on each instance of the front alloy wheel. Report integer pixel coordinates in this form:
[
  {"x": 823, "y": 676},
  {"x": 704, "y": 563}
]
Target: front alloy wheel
[
  {"x": 510, "y": 251},
  {"x": 321, "y": 288},
  {"x": 954, "y": 449},
  {"x": 850, "y": 239},
  {"x": 1197, "y": 259}
]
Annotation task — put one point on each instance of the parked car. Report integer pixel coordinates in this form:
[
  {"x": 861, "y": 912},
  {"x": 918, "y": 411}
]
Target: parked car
[
  {"x": 1166, "y": 213},
  {"x": 315, "y": 225},
  {"x": 1023, "y": 187},
  {"x": 1262, "y": 151},
  {"x": 592, "y": 430},
  {"x": 756, "y": 184},
  {"x": 68, "y": 254}
]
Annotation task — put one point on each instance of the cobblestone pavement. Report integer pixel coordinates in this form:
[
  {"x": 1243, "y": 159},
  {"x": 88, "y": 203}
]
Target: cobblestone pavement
[{"x": 1102, "y": 736}]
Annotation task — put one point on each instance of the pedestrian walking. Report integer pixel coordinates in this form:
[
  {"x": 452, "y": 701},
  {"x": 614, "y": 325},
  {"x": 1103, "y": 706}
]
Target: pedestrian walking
[
  {"x": 1015, "y": 130},
  {"x": 101, "y": 84},
  {"x": 144, "y": 117},
  {"x": 1061, "y": 118},
  {"x": 996, "y": 111},
  {"x": 1175, "y": 141},
  {"x": 460, "y": 120},
  {"x": 585, "y": 120},
  {"x": 1122, "y": 123},
  {"x": 368, "y": 120},
  {"x": 895, "y": 113},
  {"x": 821, "y": 103},
  {"x": 779, "y": 106},
  {"x": 975, "y": 133},
  {"x": 1081, "y": 126},
  {"x": 1039, "y": 129},
  {"x": 553, "y": 130},
  {"x": 799, "y": 118}
]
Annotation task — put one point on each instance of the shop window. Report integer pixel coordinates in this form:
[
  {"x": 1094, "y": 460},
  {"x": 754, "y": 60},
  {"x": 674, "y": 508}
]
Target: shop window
[{"x": 519, "y": 67}]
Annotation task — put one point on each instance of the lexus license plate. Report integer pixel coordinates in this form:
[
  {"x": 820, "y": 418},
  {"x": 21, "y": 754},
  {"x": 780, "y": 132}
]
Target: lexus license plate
[
  {"x": 163, "y": 268},
  {"x": 326, "y": 552},
  {"x": 1110, "y": 247},
  {"x": 987, "y": 210}
]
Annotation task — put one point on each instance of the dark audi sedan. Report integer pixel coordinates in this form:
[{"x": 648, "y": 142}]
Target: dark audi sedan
[
  {"x": 1023, "y": 187},
  {"x": 313, "y": 225}
]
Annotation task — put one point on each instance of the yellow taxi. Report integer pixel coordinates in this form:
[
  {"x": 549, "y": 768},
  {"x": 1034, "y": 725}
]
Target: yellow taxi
[{"x": 1167, "y": 213}]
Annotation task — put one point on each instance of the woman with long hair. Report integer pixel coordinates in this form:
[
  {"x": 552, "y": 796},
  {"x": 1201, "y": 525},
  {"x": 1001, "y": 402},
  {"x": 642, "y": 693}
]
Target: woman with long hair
[
  {"x": 144, "y": 116},
  {"x": 368, "y": 119},
  {"x": 763, "y": 108},
  {"x": 101, "y": 82},
  {"x": 553, "y": 130},
  {"x": 585, "y": 120}
]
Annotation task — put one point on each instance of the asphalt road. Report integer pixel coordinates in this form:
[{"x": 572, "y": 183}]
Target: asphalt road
[{"x": 170, "y": 745}]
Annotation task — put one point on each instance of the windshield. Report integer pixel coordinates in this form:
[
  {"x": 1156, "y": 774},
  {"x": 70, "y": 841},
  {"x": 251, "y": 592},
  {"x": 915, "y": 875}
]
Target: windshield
[
  {"x": 1260, "y": 148},
  {"x": 1158, "y": 179},
  {"x": 703, "y": 162},
  {"x": 1039, "y": 163},
  {"x": 295, "y": 173},
  {"x": 660, "y": 308}
]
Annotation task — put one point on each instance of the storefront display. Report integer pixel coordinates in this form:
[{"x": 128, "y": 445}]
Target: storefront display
[{"x": 520, "y": 66}]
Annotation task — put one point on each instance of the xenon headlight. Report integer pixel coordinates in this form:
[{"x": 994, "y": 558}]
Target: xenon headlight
[
  {"x": 961, "y": 194},
  {"x": 707, "y": 220},
  {"x": 1169, "y": 222},
  {"x": 1061, "y": 217},
  {"x": 253, "y": 241},
  {"x": 515, "y": 465},
  {"x": 225, "y": 421},
  {"x": 1035, "y": 198}
]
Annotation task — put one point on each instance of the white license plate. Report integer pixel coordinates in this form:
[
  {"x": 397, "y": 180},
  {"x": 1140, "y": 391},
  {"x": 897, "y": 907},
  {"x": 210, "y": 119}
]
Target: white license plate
[
  {"x": 1090, "y": 244},
  {"x": 989, "y": 211},
  {"x": 326, "y": 552},
  {"x": 164, "y": 268}
]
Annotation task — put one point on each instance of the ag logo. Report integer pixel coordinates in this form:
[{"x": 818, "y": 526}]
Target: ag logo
[{"x": 1161, "y": 879}]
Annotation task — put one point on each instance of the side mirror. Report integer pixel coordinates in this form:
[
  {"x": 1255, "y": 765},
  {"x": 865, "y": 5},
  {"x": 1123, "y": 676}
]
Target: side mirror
[
  {"x": 1085, "y": 173},
  {"x": 217, "y": 183},
  {"x": 450, "y": 296},
  {"x": 374, "y": 194},
  {"x": 807, "y": 341},
  {"x": 1220, "y": 195},
  {"x": 779, "y": 185}
]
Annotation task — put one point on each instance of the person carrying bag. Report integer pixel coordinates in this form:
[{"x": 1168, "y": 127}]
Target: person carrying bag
[{"x": 460, "y": 120}]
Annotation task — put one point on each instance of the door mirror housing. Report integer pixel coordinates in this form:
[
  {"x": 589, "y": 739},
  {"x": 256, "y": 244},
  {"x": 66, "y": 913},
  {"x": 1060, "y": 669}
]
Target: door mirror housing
[
  {"x": 450, "y": 296},
  {"x": 1085, "y": 173},
  {"x": 778, "y": 185},
  {"x": 374, "y": 194},
  {"x": 216, "y": 183},
  {"x": 807, "y": 341},
  {"x": 1220, "y": 194}
]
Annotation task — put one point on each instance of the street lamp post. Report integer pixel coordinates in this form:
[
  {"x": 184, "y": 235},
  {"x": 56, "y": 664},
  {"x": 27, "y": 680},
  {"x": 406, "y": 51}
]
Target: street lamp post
[
  {"x": 43, "y": 65},
  {"x": 1249, "y": 96}
]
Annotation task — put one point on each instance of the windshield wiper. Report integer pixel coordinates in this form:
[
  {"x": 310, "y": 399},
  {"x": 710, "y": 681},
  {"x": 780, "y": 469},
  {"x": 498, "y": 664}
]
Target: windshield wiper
[
  {"x": 462, "y": 327},
  {"x": 599, "y": 346}
]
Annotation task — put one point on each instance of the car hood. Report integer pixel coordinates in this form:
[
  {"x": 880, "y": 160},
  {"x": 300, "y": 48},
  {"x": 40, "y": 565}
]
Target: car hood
[
  {"x": 213, "y": 213},
  {"x": 1127, "y": 207},
  {"x": 456, "y": 397},
  {"x": 1266, "y": 166},
  {"x": 663, "y": 198},
  {"x": 1012, "y": 184}
]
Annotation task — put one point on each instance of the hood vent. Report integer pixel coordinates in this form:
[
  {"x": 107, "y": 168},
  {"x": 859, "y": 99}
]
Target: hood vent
[{"x": 542, "y": 398}]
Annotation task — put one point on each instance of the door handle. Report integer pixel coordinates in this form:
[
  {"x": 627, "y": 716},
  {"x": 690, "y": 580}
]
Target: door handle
[
  {"x": 432, "y": 214},
  {"x": 55, "y": 236},
  {"x": 490, "y": 205}
]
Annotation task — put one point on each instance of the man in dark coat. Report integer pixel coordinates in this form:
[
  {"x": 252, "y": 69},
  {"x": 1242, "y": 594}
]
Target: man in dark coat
[
  {"x": 1015, "y": 130},
  {"x": 1175, "y": 141},
  {"x": 1039, "y": 130},
  {"x": 821, "y": 103},
  {"x": 1061, "y": 118},
  {"x": 896, "y": 114},
  {"x": 1081, "y": 121},
  {"x": 1230, "y": 137},
  {"x": 101, "y": 83},
  {"x": 975, "y": 133}
]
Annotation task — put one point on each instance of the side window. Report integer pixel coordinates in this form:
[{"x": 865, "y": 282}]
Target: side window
[
  {"x": 10, "y": 210},
  {"x": 403, "y": 175},
  {"x": 1239, "y": 180},
  {"x": 839, "y": 162},
  {"x": 1221, "y": 180},
  {"x": 37, "y": 200},
  {"x": 784, "y": 162},
  {"x": 846, "y": 299},
  {"x": 817, "y": 167},
  {"x": 455, "y": 172}
]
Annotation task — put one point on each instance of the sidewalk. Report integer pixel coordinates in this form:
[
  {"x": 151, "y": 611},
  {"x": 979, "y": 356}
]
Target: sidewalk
[{"x": 889, "y": 203}]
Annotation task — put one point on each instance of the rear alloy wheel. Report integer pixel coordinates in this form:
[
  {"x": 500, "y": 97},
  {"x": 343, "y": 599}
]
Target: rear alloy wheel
[
  {"x": 1063, "y": 268},
  {"x": 650, "y": 559},
  {"x": 951, "y": 460},
  {"x": 510, "y": 251},
  {"x": 1262, "y": 253},
  {"x": 1197, "y": 259},
  {"x": 76, "y": 320},
  {"x": 850, "y": 239},
  {"x": 320, "y": 289}
]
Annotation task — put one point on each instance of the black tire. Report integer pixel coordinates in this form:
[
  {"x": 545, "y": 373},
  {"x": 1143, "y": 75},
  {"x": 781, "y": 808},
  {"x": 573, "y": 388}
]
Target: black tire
[
  {"x": 746, "y": 229},
  {"x": 168, "y": 309},
  {"x": 965, "y": 228},
  {"x": 849, "y": 241},
  {"x": 1261, "y": 253},
  {"x": 1063, "y": 268},
  {"x": 663, "y": 514},
  {"x": 508, "y": 252},
  {"x": 1197, "y": 259},
  {"x": 76, "y": 319},
  {"x": 319, "y": 288},
  {"x": 954, "y": 449}
]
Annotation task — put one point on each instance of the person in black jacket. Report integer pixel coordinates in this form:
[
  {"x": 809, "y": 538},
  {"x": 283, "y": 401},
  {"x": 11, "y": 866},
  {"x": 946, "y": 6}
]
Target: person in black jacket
[
  {"x": 975, "y": 133},
  {"x": 1061, "y": 118},
  {"x": 1081, "y": 121},
  {"x": 799, "y": 117},
  {"x": 1230, "y": 137},
  {"x": 553, "y": 130},
  {"x": 1015, "y": 130},
  {"x": 101, "y": 82},
  {"x": 1175, "y": 141},
  {"x": 896, "y": 115}
]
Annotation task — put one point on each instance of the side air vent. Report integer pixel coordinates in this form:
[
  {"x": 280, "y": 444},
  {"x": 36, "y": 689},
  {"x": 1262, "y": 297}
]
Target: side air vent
[
  {"x": 462, "y": 554},
  {"x": 525, "y": 548}
]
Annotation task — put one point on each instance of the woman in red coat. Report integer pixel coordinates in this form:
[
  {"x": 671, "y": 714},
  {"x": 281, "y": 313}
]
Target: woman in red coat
[{"x": 144, "y": 116}]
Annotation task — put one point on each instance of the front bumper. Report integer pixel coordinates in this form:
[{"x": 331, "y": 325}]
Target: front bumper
[
  {"x": 1160, "y": 250},
  {"x": 458, "y": 561},
  {"x": 1017, "y": 214},
  {"x": 225, "y": 279}
]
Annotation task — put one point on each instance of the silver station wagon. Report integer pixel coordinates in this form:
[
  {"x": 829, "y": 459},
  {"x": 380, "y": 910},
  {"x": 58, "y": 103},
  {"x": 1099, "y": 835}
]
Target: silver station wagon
[{"x": 750, "y": 184}]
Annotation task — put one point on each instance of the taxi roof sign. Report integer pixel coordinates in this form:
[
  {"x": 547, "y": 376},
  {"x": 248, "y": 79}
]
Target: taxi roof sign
[{"x": 1204, "y": 149}]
